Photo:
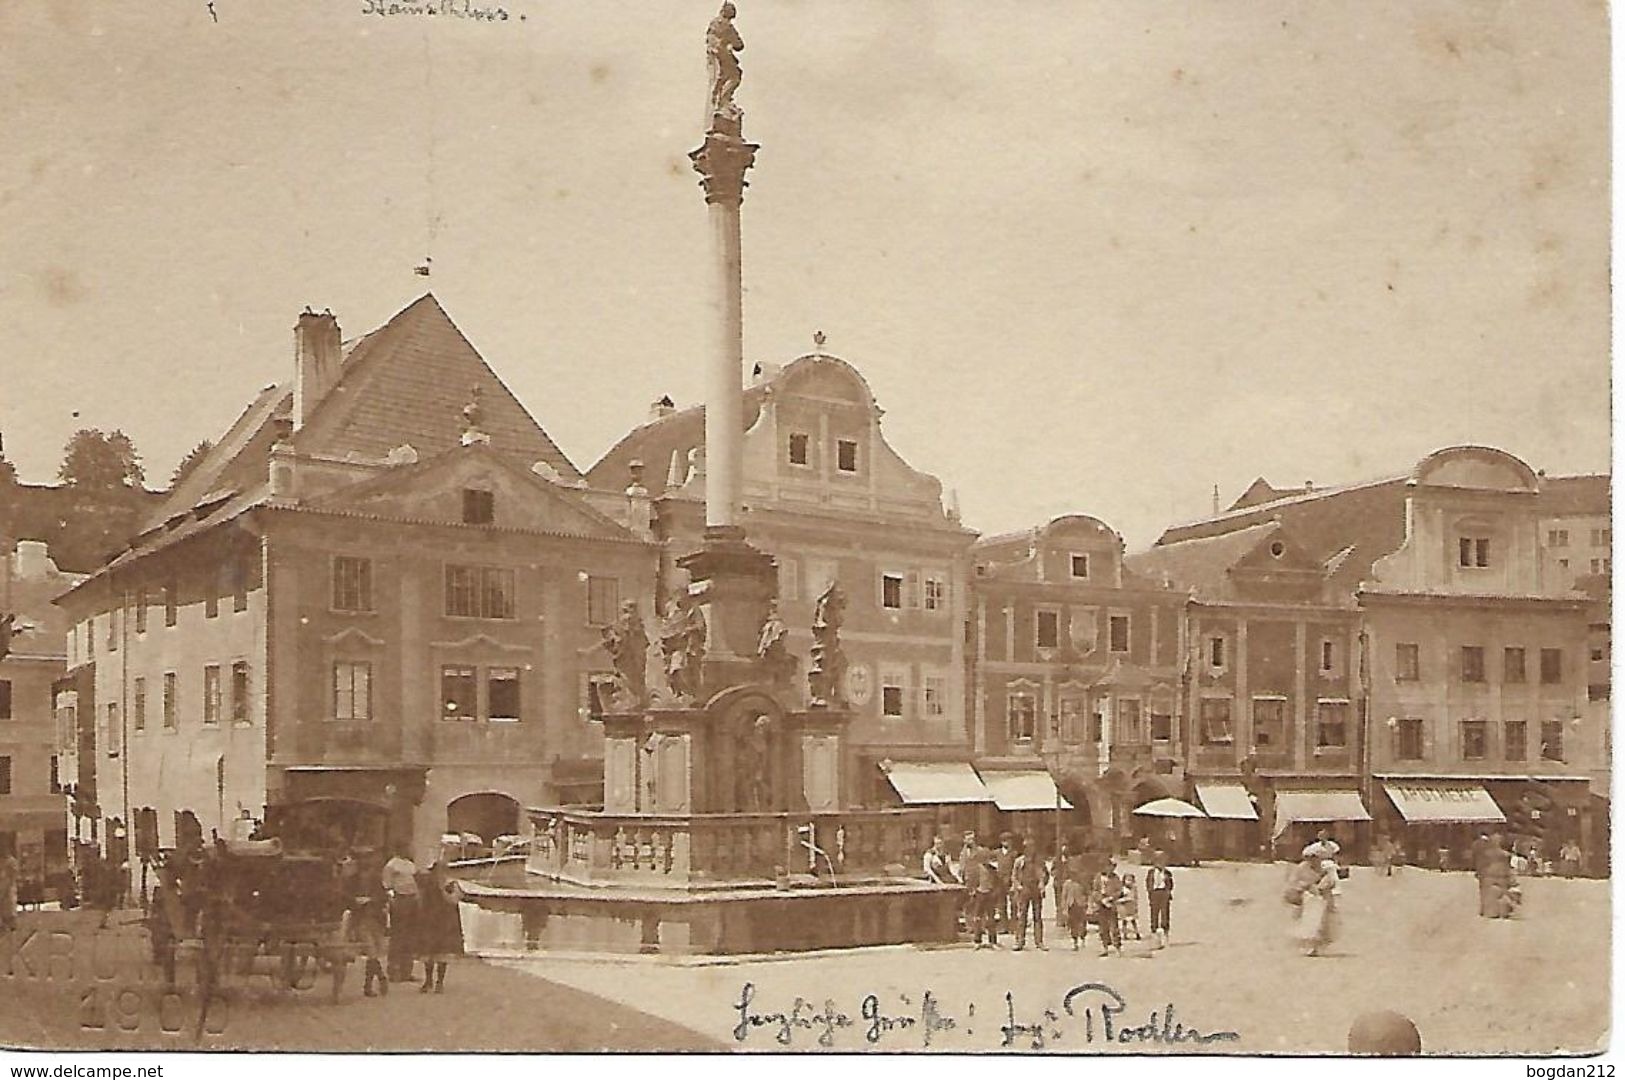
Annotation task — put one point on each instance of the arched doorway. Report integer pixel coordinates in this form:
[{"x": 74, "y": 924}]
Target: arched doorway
[{"x": 486, "y": 814}]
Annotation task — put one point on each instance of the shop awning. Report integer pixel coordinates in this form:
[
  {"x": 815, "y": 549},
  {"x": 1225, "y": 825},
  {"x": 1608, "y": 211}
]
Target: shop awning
[
  {"x": 1293, "y": 806},
  {"x": 1028, "y": 789},
  {"x": 936, "y": 782},
  {"x": 1171, "y": 808},
  {"x": 1422, "y": 804},
  {"x": 1227, "y": 802}
]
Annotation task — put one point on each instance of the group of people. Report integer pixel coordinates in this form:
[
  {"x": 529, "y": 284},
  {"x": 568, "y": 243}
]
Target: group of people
[
  {"x": 1005, "y": 887},
  {"x": 1312, "y": 892},
  {"x": 401, "y": 916}
]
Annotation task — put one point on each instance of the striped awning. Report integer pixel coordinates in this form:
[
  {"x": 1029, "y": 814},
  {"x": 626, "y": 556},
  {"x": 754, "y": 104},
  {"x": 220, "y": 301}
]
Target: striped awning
[
  {"x": 924, "y": 782},
  {"x": 1227, "y": 802}
]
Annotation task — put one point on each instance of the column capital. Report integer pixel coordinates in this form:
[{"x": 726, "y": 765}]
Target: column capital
[{"x": 722, "y": 161}]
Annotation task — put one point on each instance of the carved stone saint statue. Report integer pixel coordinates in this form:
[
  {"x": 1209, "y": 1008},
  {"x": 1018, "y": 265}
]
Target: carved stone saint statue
[
  {"x": 772, "y": 649},
  {"x": 754, "y": 781},
  {"x": 628, "y": 648},
  {"x": 722, "y": 42},
  {"x": 826, "y": 681},
  {"x": 682, "y": 643}
]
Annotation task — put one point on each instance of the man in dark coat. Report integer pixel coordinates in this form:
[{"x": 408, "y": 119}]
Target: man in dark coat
[{"x": 1159, "y": 891}]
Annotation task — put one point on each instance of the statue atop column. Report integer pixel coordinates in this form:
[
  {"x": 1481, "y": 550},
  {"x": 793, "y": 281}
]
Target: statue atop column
[
  {"x": 628, "y": 646},
  {"x": 826, "y": 679},
  {"x": 722, "y": 42},
  {"x": 682, "y": 643}
]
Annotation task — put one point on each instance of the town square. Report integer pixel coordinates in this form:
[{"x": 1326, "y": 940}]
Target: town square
[{"x": 675, "y": 546}]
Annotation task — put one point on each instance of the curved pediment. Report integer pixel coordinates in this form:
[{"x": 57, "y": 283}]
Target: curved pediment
[{"x": 1479, "y": 467}]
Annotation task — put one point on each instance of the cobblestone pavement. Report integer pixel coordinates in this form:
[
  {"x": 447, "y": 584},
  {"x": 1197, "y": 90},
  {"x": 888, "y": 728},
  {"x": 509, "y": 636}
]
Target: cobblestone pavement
[
  {"x": 1411, "y": 943},
  {"x": 64, "y": 983}
]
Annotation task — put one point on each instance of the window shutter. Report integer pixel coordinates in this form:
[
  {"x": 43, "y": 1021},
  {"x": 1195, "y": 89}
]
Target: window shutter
[{"x": 911, "y": 589}]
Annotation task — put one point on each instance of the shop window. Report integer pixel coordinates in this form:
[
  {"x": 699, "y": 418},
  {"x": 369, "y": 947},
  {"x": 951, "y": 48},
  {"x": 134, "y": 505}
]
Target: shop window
[
  {"x": 1407, "y": 662},
  {"x": 459, "y": 694},
  {"x": 352, "y": 690},
  {"x": 1332, "y": 725},
  {"x": 352, "y": 583},
  {"x": 1472, "y": 663},
  {"x": 1216, "y": 721},
  {"x": 1408, "y": 739},
  {"x": 1269, "y": 723},
  {"x": 1551, "y": 666},
  {"x": 1474, "y": 740},
  {"x": 1515, "y": 740},
  {"x": 1023, "y": 714},
  {"x": 1512, "y": 665},
  {"x": 1551, "y": 740},
  {"x": 502, "y": 695}
]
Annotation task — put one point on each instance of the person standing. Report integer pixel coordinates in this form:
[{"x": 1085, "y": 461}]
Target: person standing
[
  {"x": 980, "y": 885},
  {"x": 368, "y": 926},
  {"x": 1105, "y": 893},
  {"x": 1031, "y": 877},
  {"x": 1159, "y": 892},
  {"x": 1004, "y": 865},
  {"x": 1074, "y": 907},
  {"x": 934, "y": 864},
  {"x": 399, "y": 880},
  {"x": 1569, "y": 858},
  {"x": 440, "y": 927}
]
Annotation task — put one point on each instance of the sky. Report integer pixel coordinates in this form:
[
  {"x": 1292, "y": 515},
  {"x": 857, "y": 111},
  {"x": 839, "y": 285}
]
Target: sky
[{"x": 1091, "y": 256}]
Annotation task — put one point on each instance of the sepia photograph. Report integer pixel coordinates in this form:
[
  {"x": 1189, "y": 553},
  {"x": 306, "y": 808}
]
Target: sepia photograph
[{"x": 963, "y": 527}]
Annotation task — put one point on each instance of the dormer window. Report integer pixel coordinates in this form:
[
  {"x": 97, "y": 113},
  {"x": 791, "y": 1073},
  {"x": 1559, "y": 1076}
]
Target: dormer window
[
  {"x": 1473, "y": 551},
  {"x": 846, "y": 455},
  {"x": 479, "y": 507},
  {"x": 799, "y": 448},
  {"x": 1080, "y": 566}
]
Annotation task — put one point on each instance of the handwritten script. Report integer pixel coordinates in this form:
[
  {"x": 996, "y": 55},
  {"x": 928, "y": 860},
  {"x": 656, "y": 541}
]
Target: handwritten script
[
  {"x": 451, "y": 9},
  {"x": 1091, "y": 1013}
]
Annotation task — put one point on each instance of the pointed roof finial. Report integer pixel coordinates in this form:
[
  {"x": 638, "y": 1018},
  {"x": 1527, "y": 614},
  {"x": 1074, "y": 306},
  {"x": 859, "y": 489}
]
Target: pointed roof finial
[{"x": 473, "y": 417}]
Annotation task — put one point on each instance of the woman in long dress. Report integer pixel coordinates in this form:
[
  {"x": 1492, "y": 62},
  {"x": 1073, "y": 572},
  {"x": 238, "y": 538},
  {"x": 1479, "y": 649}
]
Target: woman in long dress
[{"x": 1312, "y": 891}]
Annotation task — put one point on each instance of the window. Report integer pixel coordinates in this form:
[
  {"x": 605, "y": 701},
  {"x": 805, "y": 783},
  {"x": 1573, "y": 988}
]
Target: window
[
  {"x": 1023, "y": 711},
  {"x": 846, "y": 455},
  {"x": 1215, "y": 716},
  {"x": 1407, "y": 662},
  {"x": 1080, "y": 566},
  {"x": 936, "y": 594},
  {"x": 798, "y": 448},
  {"x": 502, "y": 695},
  {"x": 1564, "y": 563},
  {"x": 481, "y": 592},
  {"x": 891, "y": 591},
  {"x": 1162, "y": 726},
  {"x": 5, "y": 774},
  {"x": 172, "y": 602},
  {"x": 5, "y": 699},
  {"x": 1332, "y": 726},
  {"x": 1269, "y": 723},
  {"x": 1473, "y": 551},
  {"x": 458, "y": 694},
  {"x": 1551, "y": 666},
  {"x": 211, "y": 694},
  {"x": 479, "y": 507},
  {"x": 1117, "y": 632},
  {"x": 1048, "y": 630},
  {"x": 1216, "y": 647},
  {"x": 1074, "y": 727},
  {"x": 170, "y": 704},
  {"x": 1512, "y": 665},
  {"x": 352, "y": 690},
  {"x": 239, "y": 693},
  {"x": 1557, "y": 538},
  {"x": 1408, "y": 739},
  {"x": 115, "y": 730},
  {"x": 352, "y": 583},
  {"x": 141, "y": 611},
  {"x": 56, "y": 775},
  {"x": 603, "y": 600},
  {"x": 139, "y": 705},
  {"x": 892, "y": 692},
  {"x": 1551, "y": 740},
  {"x": 1129, "y": 728},
  {"x": 1328, "y": 657},
  {"x": 600, "y": 693},
  {"x": 1515, "y": 740},
  {"x": 1474, "y": 740},
  {"x": 1602, "y": 537},
  {"x": 1601, "y": 566},
  {"x": 934, "y": 696},
  {"x": 1472, "y": 663}
]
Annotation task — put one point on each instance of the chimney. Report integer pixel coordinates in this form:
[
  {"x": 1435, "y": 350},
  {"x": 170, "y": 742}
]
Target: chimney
[
  {"x": 33, "y": 560},
  {"x": 661, "y": 407},
  {"x": 1215, "y": 500},
  {"x": 317, "y": 355}
]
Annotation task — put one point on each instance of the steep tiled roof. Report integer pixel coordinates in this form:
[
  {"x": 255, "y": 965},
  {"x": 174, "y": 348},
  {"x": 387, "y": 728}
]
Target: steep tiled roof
[
  {"x": 1201, "y": 564},
  {"x": 1570, "y": 496},
  {"x": 408, "y": 381},
  {"x": 236, "y": 461}
]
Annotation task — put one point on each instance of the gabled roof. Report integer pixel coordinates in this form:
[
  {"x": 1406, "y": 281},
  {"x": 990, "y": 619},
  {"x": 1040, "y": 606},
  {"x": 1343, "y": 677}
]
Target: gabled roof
[
  {"x": 1573, "y": 496},
  {"x": 229, "y": 464},
  {"x": 1202, "y": 564}
]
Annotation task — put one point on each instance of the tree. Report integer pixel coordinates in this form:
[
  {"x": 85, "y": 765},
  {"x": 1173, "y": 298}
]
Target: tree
[
  {"x": 191, "y": 461},
  {"x": 101, "y": 461}
]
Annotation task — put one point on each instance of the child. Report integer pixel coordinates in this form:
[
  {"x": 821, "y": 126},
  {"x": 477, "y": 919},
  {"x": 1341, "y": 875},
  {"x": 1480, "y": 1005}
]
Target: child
[
  {"x": 1075, "y": 909},
  {"x": 1128, "y": 908}
]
